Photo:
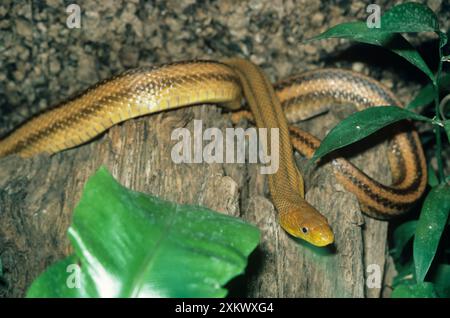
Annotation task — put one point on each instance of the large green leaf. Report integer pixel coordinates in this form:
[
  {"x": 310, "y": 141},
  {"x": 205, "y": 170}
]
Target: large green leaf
[
  {"x": 430, "y": 226},
  {"x": 360, "y": 125},
  {"x": 130, "y": 244},
  {"x": 66, "y": 278},
  {"x": 358, "y": 31},
  {"x": 410, "y": 17},
  {"x": 422, "y": 290},
  {"x": 426, "y": 94},
  {"x": 402, "y": 235}
]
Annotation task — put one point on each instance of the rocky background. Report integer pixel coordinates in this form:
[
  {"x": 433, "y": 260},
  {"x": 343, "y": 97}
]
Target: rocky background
[{"x": 43, "y": 61}]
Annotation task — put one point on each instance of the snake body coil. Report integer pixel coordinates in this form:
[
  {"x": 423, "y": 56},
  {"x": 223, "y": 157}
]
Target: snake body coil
[{"x": 153, "y": 89}]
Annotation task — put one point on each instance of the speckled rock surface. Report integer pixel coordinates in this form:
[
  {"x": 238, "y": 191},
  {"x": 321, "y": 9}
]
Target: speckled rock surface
[{"x": 43, "y": 61}]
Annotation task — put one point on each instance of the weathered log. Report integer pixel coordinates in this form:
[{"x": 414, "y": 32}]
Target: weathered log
[{"x": 38, "y": 195}]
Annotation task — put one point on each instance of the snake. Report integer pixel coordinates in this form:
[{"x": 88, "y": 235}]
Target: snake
[{"x": 152, "y": 89}]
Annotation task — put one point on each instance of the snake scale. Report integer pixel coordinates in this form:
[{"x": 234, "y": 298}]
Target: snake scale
[{"x": 148, "y": 90}]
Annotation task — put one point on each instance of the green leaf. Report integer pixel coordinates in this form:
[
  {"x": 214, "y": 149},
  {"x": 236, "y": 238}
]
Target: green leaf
[
  {"x": 410, "y": 17},
  {"x": 360, "y": 125},
  {"x": 441, "y": 280},
  {"x": 443, "y": 39},
  {"x": 444, "y": 82},
  {"x": 432, "y": 177},
  {"x": 444, "y": 108},
  {"x": 359, "y": 31},
  {"x": 65, "y": 279},
  {"x": 447, "y": 128},
  {"x": 424, "y": 97},
  {"x": 131, "y": 244},
  {"x": 402, "y": 235},
  {"x": 405, "y": 274},
  {"x": 426, "y": 94},
  {"x": 421, "y": 290},
  {"x": 430, "y": 226}
]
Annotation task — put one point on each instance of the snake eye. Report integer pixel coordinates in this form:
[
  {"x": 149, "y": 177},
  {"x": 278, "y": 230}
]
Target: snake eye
[{"x": 304, "y": 230}]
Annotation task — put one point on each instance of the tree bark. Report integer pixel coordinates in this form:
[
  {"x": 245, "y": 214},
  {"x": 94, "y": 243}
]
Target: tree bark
[{"x": 38, "y": 195}]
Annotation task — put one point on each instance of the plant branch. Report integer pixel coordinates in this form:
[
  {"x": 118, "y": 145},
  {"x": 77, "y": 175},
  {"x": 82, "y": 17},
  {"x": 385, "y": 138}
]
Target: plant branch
[{"x": 437, "y": 129}]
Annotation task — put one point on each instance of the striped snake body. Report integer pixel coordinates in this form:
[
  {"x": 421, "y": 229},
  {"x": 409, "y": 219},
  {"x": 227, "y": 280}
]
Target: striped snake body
[{"x": 149, "y": 90}]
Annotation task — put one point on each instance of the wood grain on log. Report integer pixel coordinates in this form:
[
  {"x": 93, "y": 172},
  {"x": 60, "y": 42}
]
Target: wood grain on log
[{"x": 38, "y": 195}]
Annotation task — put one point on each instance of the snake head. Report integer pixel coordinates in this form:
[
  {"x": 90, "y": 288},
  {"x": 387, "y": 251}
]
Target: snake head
[{"x": 308, "y": 225}]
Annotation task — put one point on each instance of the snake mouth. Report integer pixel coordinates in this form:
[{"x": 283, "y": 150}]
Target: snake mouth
[
  {"x": 323, "y": 239},
  {"x": 321, "y": 235}
]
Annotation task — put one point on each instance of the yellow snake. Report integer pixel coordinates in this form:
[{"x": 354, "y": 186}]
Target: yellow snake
[{"x": 149, "y": 90}]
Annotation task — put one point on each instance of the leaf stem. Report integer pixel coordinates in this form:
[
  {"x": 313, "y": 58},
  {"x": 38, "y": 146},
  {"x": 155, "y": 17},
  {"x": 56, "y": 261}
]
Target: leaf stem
[{"x": 437, "y": 129}]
